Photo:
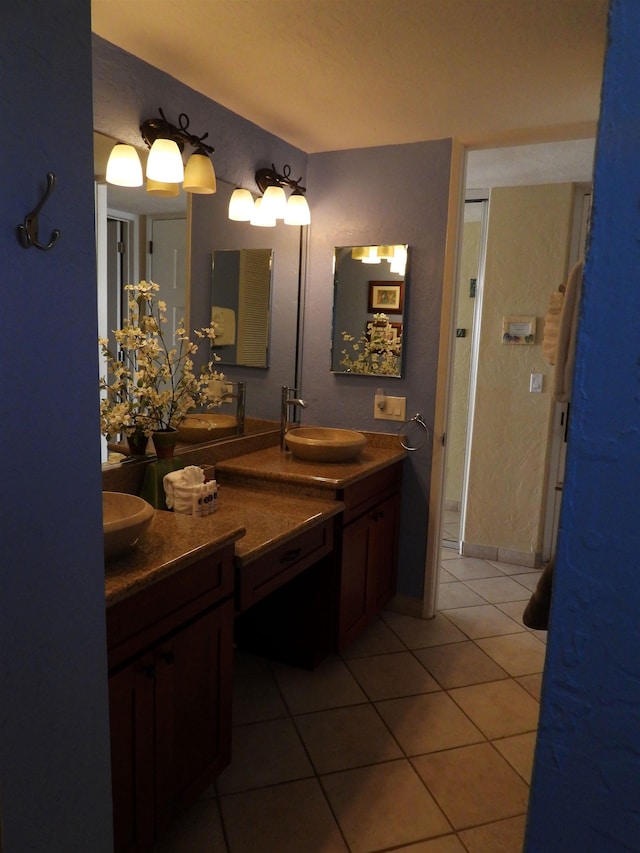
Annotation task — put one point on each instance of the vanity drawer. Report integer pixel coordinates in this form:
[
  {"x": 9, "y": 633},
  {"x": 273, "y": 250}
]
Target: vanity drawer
[
  {"x": 262, "y": 576},
  {"x": 139, "y": 620},
  {"x": 369, "y": 491}
]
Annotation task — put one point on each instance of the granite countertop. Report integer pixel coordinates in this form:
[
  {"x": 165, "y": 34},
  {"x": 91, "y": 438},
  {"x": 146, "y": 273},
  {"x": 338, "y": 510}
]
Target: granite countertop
[
  {"x": 246, "y": 516},
  {"x": 272, "y": 465}
]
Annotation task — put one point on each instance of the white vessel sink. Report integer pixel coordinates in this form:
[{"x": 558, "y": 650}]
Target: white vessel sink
[
  {"x": 325, "y": 444},
  {"x": 124, "y": 519},
  {"x": 206, "y": 427}
]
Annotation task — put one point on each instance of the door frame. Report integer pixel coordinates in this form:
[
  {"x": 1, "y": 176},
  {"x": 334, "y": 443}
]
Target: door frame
[{"x": 445, "y": 358}]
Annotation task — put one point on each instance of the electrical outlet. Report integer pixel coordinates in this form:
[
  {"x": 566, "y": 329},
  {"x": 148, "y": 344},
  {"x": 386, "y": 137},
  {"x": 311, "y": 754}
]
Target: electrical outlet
[{"x": 394, "y": 409}]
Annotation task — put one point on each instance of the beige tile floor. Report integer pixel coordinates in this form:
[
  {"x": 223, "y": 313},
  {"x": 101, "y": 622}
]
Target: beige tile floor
[{"x": 419, "y": 738}]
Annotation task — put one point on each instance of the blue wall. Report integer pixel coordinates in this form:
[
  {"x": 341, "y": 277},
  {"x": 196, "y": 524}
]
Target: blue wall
[
  {"x": 392, "y": 194},
  {"x": 586, "y": 786},
  {"x": 55, "y": 790}
]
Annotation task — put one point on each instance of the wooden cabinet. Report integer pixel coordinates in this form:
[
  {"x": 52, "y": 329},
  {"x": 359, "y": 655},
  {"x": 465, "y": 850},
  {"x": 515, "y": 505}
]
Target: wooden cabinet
[
  {"x": 369, "y": 550},
  {"x": 169, "y": 696}
]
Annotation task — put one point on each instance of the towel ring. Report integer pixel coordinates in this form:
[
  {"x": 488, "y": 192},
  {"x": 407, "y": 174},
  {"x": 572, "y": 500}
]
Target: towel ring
[{"x": 420, "y": 422}]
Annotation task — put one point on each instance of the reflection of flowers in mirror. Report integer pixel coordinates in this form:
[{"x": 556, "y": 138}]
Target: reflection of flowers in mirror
[
  {"x": 151, "y": 384},
  {"x": 378, "y": 349}
]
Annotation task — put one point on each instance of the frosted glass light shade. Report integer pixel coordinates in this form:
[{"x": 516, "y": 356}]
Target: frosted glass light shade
[
  {"x": 371, "y": 256},
  {"x": 241, "y": 206},
  {"x": 260, "y": 218},
  {"x": 162, "y": 189},
  {"x": 165, "y": 162},
  {"x": 298, "y": 212},
  {"x": 199, "y": 176},
  {"x": 399, "y": 263},
  {"x": 123, "y": 166},
  {"x": 386, "y": 252},
  {"x": 274, "y": 202},
  {"x": 359, "y": 252}
]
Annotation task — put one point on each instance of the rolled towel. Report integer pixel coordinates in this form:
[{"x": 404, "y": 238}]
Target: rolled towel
[{"x": 180, "y": 486}]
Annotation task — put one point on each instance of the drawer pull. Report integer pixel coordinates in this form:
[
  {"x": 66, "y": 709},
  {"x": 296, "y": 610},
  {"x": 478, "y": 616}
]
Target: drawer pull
[{"x": 290, "y": 556}]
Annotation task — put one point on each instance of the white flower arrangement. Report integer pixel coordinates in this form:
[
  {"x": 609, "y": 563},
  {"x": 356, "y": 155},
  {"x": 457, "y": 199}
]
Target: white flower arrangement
[
  {"x": 152, "y": 386},
  {"x": 377, "y": 351}
]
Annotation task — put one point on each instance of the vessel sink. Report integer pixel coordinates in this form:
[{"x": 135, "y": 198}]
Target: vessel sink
[
  {"x": 124, "y": 519},
  {"x": 206, "y": 427},
  {"x": 325, "y": 444}
]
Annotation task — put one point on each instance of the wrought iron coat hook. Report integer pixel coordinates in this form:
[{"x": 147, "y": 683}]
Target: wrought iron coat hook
[{"x": 28, "y": 233}]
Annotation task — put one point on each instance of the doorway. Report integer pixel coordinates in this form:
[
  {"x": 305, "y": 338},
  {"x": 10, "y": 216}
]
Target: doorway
[{"x": 568, "y": 163}]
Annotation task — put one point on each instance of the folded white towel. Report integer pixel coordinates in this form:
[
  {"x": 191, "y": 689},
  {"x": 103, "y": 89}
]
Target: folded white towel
[{"x": 181, "y": 486}]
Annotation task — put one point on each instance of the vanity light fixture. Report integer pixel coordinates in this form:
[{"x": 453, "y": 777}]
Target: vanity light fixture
[
  {"x": 165, "y": 169},
  {"x": 123, "y": 167},
  {"x": 241, "y": 205},
  {"x": 262, "y": 215},
  {"x": 273, "y": 204}
]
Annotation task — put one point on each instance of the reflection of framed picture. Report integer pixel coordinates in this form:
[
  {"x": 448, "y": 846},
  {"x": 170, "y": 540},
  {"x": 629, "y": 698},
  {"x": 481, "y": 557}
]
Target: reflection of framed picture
[{"x": 386, "y": 296}]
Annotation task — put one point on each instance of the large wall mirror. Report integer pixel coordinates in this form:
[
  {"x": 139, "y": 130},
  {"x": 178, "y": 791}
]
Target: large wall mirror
[
  {"x": 369, "y": 299},
  {"x": 186, "y": 233}
]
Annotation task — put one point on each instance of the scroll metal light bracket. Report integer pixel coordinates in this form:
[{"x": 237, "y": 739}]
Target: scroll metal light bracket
[
  {"x": 28, "y": 232},
  {"x": 270, "y": 178},
  {"x": 161, "y": 128}
]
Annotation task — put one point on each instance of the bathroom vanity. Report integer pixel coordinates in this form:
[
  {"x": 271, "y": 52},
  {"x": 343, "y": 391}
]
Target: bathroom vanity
[{"x": 293, "y": 565}]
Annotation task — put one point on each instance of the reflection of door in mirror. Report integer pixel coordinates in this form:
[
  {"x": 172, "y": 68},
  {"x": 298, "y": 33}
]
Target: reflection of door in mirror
[
  {"x": 168, "y": 266},
  {"x": 368, "y": 305},
  {"x": 467, "y": 317},
  {"x": 241, "y": 305}
]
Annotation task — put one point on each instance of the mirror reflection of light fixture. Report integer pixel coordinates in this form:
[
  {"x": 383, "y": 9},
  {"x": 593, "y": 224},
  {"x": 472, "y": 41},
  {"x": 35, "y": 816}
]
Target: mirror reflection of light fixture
[
  {"x": 162, "y": 189},
  {"x": 396, "y": 256},
  {"x": 166, "y": 142},
  {"x": 274, "y": 204},
  {"x": 371, "y": 256}
]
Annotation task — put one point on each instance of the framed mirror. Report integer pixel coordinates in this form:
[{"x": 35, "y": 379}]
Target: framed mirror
[
  {"x": 241, "y": 305},
  {"x": 369, "y": 298}
]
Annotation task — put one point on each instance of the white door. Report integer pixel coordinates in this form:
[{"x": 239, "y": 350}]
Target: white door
[{"x": 168, "y": 266}]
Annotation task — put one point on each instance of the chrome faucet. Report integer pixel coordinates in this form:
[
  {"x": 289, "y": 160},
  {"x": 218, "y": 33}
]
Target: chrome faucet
[{"x": 288, "y": 400}]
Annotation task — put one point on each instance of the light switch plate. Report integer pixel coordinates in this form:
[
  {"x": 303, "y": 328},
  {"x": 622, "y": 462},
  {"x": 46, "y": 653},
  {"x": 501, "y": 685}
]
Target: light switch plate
[
  {"x": 535, "y": 383},
  {"x": 395, "y": 409}
]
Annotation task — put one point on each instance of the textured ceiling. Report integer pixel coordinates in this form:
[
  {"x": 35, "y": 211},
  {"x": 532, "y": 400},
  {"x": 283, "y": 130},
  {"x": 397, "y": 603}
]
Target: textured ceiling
[{"x": 334, "y": 74}]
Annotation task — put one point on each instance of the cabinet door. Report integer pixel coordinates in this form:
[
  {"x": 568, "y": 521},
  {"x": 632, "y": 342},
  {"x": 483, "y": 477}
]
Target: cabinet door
[
  {"x": 193, "y": 709},
  {"x": 131, "y": 707},
  {"x": 353, "y": 580},
  {"x": 383, "y": 553}
]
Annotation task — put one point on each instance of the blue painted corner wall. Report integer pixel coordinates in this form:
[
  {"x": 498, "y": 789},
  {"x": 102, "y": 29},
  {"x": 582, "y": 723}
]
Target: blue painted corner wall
[{"x": 586, "y": 784}]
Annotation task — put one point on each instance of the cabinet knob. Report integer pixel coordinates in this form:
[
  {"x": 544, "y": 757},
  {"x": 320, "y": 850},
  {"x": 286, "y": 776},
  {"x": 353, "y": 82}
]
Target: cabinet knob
[
  {"x": 167, "y": 657},
  {"x": 148, "y": 669},
  {"x": 290, "y": 556}
]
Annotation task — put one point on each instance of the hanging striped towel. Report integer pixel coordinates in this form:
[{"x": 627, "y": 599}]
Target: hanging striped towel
[{"x": 552, "y": 326}]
